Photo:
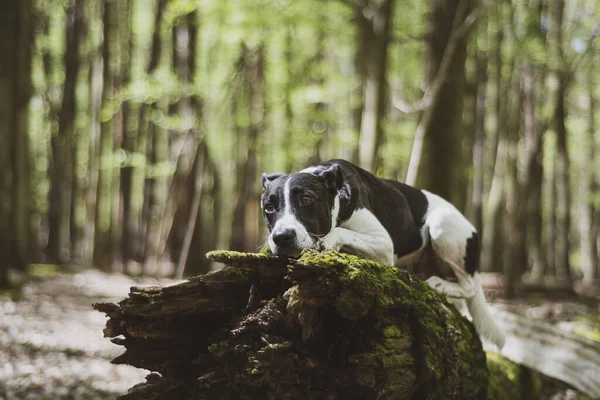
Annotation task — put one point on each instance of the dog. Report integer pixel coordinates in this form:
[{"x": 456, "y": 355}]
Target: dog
[{"x": 338, "y": 205}]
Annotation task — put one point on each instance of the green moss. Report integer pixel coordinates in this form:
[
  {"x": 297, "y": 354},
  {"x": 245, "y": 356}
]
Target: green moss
[
  {"x": 509, "y": 380},
  {"x": 44, "y": 270},
  {"x": 447, "y": 346},
  {"x": 417, "y": 344},
  {"x": 589, "y": 326}
]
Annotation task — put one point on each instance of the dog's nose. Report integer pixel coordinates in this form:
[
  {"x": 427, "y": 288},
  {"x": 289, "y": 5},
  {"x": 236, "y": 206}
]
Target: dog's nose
[{"x": 284, "y": 238}]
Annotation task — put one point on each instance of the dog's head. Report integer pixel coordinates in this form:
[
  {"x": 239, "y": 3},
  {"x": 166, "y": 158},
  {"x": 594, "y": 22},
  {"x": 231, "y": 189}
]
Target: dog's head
[{"x": 301, "y": 207}]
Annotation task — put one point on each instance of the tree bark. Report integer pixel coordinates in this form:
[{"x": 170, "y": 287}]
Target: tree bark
[{"x": 374, "y": 94}]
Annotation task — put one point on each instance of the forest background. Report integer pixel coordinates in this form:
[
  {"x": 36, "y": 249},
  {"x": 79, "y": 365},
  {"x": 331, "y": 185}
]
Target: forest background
[{"x": 133, "y": 132}]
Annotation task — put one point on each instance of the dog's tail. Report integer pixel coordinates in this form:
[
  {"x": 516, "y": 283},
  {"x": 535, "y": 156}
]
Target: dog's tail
[{"x": 485, "y": 325}]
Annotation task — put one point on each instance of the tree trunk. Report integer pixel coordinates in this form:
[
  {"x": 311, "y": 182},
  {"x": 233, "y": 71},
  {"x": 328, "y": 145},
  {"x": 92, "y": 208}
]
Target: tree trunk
[
  {"x": 363, "y": 27},
  {"x": 492, "y": 237},
  {"x": 336, "y": 337},
  {"x": 319, "y": 119},
  {"x": 588, "y": 229},
  {"x": 16, "y": 26},
  {"x": 158, "y": 141},
  {"x": 80, "y": 143},
  {"x": 531, "y": 251},
  {"x": 479, "y": 126},
  {"x": 497, "y": 61},
  {"x": 442, "y": 164},
  {"x": 103, "y": 241},
  {"x": 129, "y": 128},
  {"x": 550, "y": 223},
  {"x": 374, "y": 96},
  {"x": 514, "y": 207},
  {"x": 244, "y": 234},
  {"x": 95, "y": 79},
  {"x": 59, "y": 243},
  {"x": 563, "y": 195}
]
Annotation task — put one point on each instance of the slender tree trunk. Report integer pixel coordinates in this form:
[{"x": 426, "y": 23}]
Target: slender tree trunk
[
  {"x": 492, "y": 236},
  {"x": 95, "y": 79},
  {"x": 442, "y": 161},
  {"x": 514, "y": 207},
  {"x": 159, "y": 156},
  {"x": 103, "y": 240},
  {"x": 244, "y": 234},
  {"x": 362, "y": 35},
  {"x": 79, "y": 149},
  {"x": 16, "y": 28},
  {"x": 479, "y": 142},
  {"x": 374, "y": 96},
  {"x": 289, "y": 113},
  {"x": 550, "y": 223},
  {"x": 588, "y": 229},
  {"x": 195, "y": 204},
  {"x": 59, "y": 244},
  {"x": 130, "y": 111},
  {"x": 497, "y": 62},
  {"x": 530, "y": 238},
  {"x": 563, "y": 196},
  {"x": 319, "y": 121}
]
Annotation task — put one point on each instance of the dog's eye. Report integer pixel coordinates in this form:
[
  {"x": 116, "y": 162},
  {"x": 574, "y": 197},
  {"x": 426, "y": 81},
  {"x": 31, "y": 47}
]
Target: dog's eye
[
  {"x": 269, "y": 208},
  {"x": 305, "y": 200}
]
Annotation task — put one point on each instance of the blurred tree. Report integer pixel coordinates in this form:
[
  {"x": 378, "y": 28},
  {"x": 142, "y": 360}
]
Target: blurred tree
[
  {"x": 63, "y": 143},
  {"x": 559, "y": 93},
  {"x": 442, "y": 161},
  {"x": 16, "y": 26},
  {"x": 248, "y": 111},
  {"x": 588, "y": 216},
  {"x": 374, "y": 22}
]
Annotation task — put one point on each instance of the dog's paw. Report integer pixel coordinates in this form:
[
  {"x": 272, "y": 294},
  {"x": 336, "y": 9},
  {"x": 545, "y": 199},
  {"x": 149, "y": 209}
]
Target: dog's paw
[
  {"x": 320, "y": 246},
  {"x": 435, "y": 282},
  {"x": 331, "y": 241}
]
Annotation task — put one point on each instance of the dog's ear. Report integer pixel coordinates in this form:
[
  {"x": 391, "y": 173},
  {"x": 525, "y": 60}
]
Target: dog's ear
[
  {"x": 266, "y": 178},
  {"x": 333, "y": 177}
]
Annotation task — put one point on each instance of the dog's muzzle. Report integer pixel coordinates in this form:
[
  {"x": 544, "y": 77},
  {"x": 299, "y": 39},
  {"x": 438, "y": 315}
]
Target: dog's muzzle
[{"x": 285, "y": 242}]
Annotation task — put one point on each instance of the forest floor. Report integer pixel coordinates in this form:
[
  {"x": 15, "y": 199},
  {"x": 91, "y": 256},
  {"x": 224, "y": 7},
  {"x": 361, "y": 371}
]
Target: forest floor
[{"x": 51, "y": 343}]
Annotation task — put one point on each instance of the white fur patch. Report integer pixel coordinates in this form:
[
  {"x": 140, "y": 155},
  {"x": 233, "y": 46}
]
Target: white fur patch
[
  {"x": 335, "y": 211},
  {"x": 289, "y": 221},
  {"x": 310, "y": 170},
  {"x": 363, "y": 234},
  {"x": 448, "y": 228}
]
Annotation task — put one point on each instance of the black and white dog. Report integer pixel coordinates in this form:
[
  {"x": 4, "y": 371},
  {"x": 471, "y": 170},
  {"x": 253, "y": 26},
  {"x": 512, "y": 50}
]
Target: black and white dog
[{"x": 338, "y": 205}]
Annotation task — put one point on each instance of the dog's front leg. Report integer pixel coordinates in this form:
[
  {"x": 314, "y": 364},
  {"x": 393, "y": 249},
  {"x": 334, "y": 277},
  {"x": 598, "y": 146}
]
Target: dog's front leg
[{"x": 378, "y": 247}]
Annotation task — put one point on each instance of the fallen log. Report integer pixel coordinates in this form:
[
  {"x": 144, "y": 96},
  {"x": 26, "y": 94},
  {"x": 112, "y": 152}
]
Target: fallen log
[
  {"x": 326, "y": 326},
  {"x": 552, "y": 351}
]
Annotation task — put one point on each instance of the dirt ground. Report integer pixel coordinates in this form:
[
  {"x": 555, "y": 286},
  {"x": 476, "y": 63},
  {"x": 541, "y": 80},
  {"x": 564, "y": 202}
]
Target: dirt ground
[{"x": 51, "y": 343}]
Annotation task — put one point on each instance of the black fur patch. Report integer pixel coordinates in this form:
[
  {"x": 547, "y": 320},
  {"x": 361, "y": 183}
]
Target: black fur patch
[{"x": 472, "y": 254}]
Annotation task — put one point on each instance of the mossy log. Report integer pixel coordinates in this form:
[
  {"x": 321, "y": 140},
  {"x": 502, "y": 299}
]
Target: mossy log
[{"x": 325, "y": 326}]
